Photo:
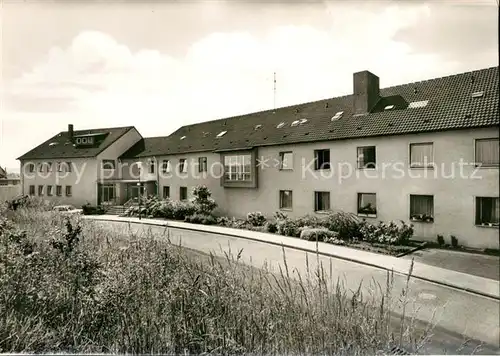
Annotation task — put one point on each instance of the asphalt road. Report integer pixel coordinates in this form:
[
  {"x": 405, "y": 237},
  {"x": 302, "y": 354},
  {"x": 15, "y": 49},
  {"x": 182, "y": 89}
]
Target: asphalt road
[{"x": 458, "y": 315}]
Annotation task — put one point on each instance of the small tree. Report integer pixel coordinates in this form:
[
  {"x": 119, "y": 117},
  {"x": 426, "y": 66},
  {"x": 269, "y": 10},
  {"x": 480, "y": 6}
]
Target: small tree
[{"x": 203, "y": 201}]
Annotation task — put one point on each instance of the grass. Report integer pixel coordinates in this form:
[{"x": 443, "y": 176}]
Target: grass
[{"x": 99, "y": 291}]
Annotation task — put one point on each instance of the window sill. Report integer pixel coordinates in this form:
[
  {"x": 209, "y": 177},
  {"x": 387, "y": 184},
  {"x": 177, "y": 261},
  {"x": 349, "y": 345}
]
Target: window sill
[
  {"x": 422, "y": 221},
  {"x": 367, "y": 215},
  {"x": 367, "y": 168},
  {"x": 487, "y": 226},
  {"x": 322, "y": 169},
  {"x": 286, "y": 209},
  {"x": 421, "y": 167},
  {"x": 286, "y": 169},
  {"x": 488, "y": 166},
  {"x": 322, "y": 212}
]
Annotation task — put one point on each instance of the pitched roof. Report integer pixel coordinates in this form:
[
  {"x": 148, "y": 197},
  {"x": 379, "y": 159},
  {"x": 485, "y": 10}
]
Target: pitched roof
[
  {"x": 3, "y": 173},
  {"x": 148, "y": 147},
  {"x": 450, "y": 106},
  {"x": 59, "y": 146}
]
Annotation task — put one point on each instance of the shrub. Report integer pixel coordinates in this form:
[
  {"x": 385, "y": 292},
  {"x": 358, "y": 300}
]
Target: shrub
[
  {"x": 346, "y": 224},
  {"x": 88, "y": 209},
  {"x": 271, "y": 227},
  {"x": 317, "y": 234},
  {"x": 310, "y": 221},
  {"x": 256, "y": 218},
  {"x": 288, "y": 227},
  {"x": 279, "y": 215},
  {"x": 454, "y": 241},
  {"x": 203, "y": 202},
  {"x": 386, "y": 233},
  {"x": 224, "y": 221},
  {"x": 440, "y": 240},
  {"x": 198, "y": 218}
]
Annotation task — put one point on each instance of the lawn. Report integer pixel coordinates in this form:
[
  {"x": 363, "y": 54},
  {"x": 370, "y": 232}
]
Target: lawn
[{"x": 68, "y": 286}]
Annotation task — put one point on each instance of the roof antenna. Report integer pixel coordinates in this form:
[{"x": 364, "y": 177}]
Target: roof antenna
[{"x": 274, "y": 90}]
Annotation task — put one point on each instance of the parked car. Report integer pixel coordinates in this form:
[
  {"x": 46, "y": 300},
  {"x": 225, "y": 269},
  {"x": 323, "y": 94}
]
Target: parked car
[{"x": 68, "y": 209}]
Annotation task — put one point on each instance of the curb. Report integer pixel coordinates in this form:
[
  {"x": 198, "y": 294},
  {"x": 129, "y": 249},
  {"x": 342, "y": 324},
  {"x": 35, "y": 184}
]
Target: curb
[
  {"x": 441, "y": 283},
  {"x": 420, "y": 247}
]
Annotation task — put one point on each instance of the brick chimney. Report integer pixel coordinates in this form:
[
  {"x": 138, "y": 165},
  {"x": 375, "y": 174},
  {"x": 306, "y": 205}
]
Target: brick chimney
[
  {"x": 70, "y": 132},
  {"x": 366, "y": 92}
]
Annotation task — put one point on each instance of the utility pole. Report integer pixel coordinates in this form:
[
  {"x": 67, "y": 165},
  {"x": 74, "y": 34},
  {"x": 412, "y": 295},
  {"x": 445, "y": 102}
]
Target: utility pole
[{"x": 274, "y": 90}]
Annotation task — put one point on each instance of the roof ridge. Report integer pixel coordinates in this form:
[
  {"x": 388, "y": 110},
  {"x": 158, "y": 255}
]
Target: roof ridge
[{"x": 333, "y": 98}]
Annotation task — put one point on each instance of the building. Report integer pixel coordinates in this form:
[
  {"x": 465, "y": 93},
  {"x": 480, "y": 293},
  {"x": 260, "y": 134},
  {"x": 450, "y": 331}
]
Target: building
[
  {"x": 426, "y": 151},
  {"x": 10, "y": 185}
]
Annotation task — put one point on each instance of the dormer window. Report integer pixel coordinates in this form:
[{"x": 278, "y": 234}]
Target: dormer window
[
  {"x": 295, "y": 123},
  {"x": 78, "y": 141},
  {"x": 280, "y": 125},
  {"x": 478, "y": 94},
  {"x": 220, "y": 134},
  {"x": 337, "y": 116},
  {"x": 302, "y": 121},
  {"x": 84, "y": 140},
  {"x": 389, "y": 107},
  {"x": 183, "y": 137}
]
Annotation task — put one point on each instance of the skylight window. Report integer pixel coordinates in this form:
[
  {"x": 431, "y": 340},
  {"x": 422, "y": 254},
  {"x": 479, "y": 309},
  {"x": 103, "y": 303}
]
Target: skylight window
[
  {"x": 221, "y": 134},
  {"x": 258, "y": 127},
  {"x": 52, "y": 143},
  {"x": 295, "y": 123},
  {"x": 280, "y": 125},
  {"x": 418, "y": 104},
  {"x": 183, "y": 137},
  {"x": 302, "y": 121},
  {"x": 337, "y": 116},
  {"x": 389, "y": 107},
  {"x": 478, "y": 94}
]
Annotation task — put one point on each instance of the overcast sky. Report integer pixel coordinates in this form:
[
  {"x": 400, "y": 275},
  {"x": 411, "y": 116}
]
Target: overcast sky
[{"x": 160, "y": 64}]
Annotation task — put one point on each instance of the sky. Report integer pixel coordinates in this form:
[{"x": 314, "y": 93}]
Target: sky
[{"x": 158, "y": 65}]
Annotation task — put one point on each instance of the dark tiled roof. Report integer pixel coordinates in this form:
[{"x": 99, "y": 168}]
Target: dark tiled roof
[
  {"x": 450, "y": 106},
  {"x": 60, "y": 147},
  {"x": 148, "y": 147}
]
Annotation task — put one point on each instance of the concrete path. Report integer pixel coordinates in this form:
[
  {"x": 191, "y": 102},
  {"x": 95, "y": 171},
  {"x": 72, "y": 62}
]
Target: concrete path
[
  {"x": 475, "y": 315},
  {"x": 480, "y": 265}
]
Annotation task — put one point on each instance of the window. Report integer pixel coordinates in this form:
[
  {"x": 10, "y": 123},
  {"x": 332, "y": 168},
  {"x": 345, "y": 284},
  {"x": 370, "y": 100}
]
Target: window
[
  {"x": 202, "y": 164},
  {"x": 68, "y": 166},
  {"x": 286, "y": 199},
  {"x": 422, "y": 208},
  {"x": 49, "y": 190},
  {"x": 322, "y": 159},
  {"x": 108, "y": 164},
  {"x": 487, "y": 152},
  {"x": 32, "y": 190},
  {"x": 68, "y": 190},
  {"x": 183, "y": 193},
  {"x": 59, "y": 166},
  {"x": 31, "y": 168},
  {"x": 166, "y": 192},
  {"x": 487, "y": 211},
  {"x": 151, "y": 167},
  {"x": 321, "y": 201},
  {"x": 367, "y": 204},
  {"x": 49, "y": 166},
  {"x": 40, "y": 190},
  {"x": 58, "y": 190},
  {"x": 165, "y": 167},
  {"x": 366, "y": 157},
  {"x": 238, "y": 168},
  {"x": 40, "y": 167},
  {"x": 182, "y": 165},
  {"x": 107, "y": 192},
  {"x": 286, "y": 160},
  {"x": 421, "y": 155}
]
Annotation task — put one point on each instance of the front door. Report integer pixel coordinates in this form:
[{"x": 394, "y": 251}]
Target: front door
[
  {"x": 106, "y": 194},
  {"x": 134, "y": 192}
]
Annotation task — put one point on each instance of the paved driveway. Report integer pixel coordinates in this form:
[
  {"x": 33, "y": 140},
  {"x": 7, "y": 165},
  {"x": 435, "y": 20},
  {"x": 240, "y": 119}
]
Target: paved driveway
[
  {"x": 471, "y": 263},
  {"x": 454, "y": 310}
]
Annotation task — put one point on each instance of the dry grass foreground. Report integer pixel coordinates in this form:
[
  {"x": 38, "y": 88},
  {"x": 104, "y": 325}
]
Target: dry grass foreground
[{"x": 69, "y": 286}]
